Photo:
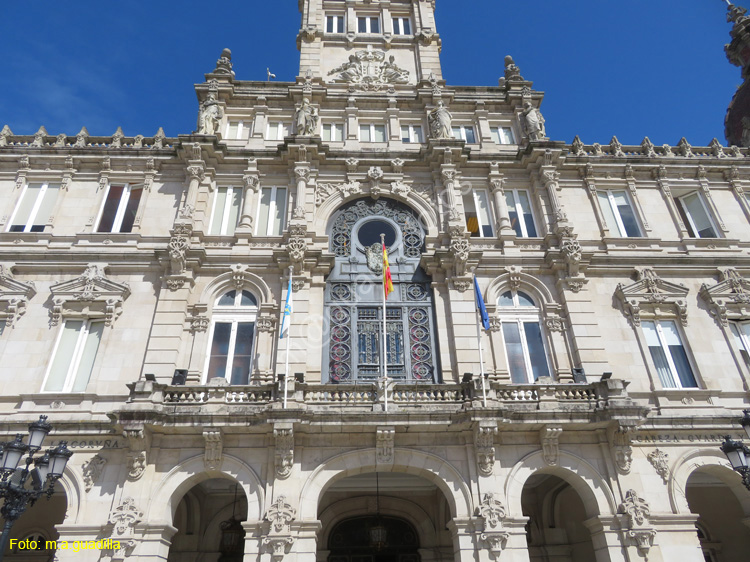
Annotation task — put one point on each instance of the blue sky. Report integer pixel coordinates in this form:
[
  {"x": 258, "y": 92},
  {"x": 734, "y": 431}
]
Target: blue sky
[{"x": 629, "y": 68}]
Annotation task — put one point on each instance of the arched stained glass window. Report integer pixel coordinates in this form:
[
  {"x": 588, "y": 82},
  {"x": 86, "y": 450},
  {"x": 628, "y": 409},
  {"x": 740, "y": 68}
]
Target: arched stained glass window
[{"x": 354, "y": 297}]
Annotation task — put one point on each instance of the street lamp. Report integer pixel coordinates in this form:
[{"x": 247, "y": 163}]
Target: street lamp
[{"x": 47, "y": 470}]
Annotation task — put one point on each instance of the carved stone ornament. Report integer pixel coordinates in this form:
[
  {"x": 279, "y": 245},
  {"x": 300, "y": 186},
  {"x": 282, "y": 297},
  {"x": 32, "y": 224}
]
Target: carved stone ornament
[
  {"x": 284, "y": 455},
  {"x": 730, "y": 297},
  {"x": 651, "y": 297},
  {"x": 92, "y": 469},
  {"x": 459, "y": 249},
  {"x": 637, "y": 531},
  {"x": 577, "y": 147},
  {"x": 615, "y": 148},
  {"x": 178, "y": 247},
  {"x": 550, "y": 438},
  {"x": 123, "y": 520},
  {"x": 571, "y": 250},
  {"x": 280, "y": 515},
  {"x": 14, "y": 296},
  {"x": 136, "y": 465},
  {"x": 620, "y": 438},
  {"x": 213, "y": 456},
  {"x": 495, "y": 542},
  {"x": 660, "y": 461},
  {"x": 368, "y": 70},
  {"x": 265, "y": 323},
  {"x": 224, "y": 64},
  {"x": 91, "y": 295},
  {"x": 384, "y": 443},
  {"x": 5, "y": 135},
  {"x": 647, "y": 148},
  {"x": 491, "y": 511},
  {"x": 484, "y": 444}
]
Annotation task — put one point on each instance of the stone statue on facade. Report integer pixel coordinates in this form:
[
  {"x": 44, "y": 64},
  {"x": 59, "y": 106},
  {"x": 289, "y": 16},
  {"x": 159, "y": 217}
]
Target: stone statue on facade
[
  {"x": 533, "y": 122},
  {"x": 512, "y": 72},
  {"x": 306, "y": 119},
  {"x": 440, "y": 122},
  {"x": 745, "y": 139},
  {"x": 392, "y": 74},
  {"x": 210, "y": 115}
]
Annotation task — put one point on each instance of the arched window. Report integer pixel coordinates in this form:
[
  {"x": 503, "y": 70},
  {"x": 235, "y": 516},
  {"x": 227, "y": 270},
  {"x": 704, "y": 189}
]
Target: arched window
[
  {"x": 230, "y": 352},
  {"x": 354, "y": 297},
  {"x": 523, "y": 337}
]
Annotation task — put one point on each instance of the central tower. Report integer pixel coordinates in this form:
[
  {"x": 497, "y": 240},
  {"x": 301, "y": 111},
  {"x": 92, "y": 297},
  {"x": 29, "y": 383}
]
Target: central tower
[{"x": 369, "y": 43}]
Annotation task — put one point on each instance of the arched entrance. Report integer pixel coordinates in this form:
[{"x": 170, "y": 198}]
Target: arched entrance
[
  {"x": 373, "y": 538},
  {"x": 722, "y": 524},
  {"x": 354, "y": 296},
  {"x": 208, "y": 521},
  {"x": 38, "y": 524},
  {"x": 555, "y": 530}
]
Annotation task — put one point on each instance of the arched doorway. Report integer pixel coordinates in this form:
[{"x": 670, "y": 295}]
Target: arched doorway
[
  {"x": 555, "y": 530},
  {"x": 38, "y": 524},
  {"x": 354, "y": 297},
  {"x": 373, "y": 538},
  {"x": 208, "y": 521},
  {"x": 722, "y": 521}
]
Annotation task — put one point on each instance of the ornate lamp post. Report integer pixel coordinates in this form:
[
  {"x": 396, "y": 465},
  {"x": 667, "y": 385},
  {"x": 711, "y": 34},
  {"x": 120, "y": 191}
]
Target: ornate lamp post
[
  {"x": 47, "y": 470},
  {"x": 737, "y": 453}
]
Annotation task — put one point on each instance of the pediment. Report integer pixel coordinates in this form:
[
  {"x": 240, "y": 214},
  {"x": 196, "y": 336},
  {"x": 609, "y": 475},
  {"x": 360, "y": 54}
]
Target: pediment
[
  {"x": 14, "y": 295},
  {"x": 729, "y": 298},
  {"x": 91, "y": 295},
  {"x": 652, "y": 297}
]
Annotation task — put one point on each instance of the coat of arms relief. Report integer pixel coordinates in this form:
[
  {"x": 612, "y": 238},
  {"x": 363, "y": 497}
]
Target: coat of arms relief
[{"x": 368, "y": 70}]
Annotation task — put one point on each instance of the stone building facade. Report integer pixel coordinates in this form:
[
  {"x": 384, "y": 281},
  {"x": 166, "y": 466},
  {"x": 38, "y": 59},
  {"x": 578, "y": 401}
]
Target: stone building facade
[{"x": 143, "y": 284}]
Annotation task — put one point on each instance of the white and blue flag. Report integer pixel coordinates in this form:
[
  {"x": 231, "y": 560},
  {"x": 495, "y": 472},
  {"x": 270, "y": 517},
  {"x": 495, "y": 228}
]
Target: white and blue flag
[
  {"x": 480, "y": 305},
  {"x": 287, "y": 311}
]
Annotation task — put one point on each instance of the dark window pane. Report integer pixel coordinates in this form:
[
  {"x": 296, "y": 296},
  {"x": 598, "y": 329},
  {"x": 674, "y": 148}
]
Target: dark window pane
[
  {"x": 681, "y": 363},
  {"x": 524, "y": 299},
  {"x": 248, "y": 299},
  {"x": 369, "y": 233},
  {"x": 470, "y": 138},
  {"x": 329, "y": 25},
  {"x": 536, "y": 349},
  {"x": 340, "y": 25},
  {"x": 374, "y": 25},
  {"x": 362, "y": 25},
  {"x": 243, "y": 350},
  {"x": 219, "y": 350},
  {"x": 406, "y": 27},
  {"x": 110, "y": 208},
  {"x": 683, "y": 216},
  {"x": 514, "y": 349},
  {"x": 628, "y": 220},
  {"x": 227, "y": 299},
  {"x": 131, "y": 210}
]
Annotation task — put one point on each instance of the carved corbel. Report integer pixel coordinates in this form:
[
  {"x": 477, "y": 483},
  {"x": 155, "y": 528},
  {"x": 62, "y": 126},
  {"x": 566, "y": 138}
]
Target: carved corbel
[
  {"x": 212, "y": 455},
  {"x": 620, "y": 439},
  {"x": 637, "y": 529},
  {"x": 375, "y": 175},
  {"x": 136, "y": 465},
  {"x": 92, "y": 469},
  {"x": 660, "y": 461},
  {"x": 549, "y": 435},
  {"x": 484, "y": 444},
  {"x": 296, "y": 247},
  {"x": 384, "y": 440},
  {"x": 123, "y": 520},
  {"x": 284, "y": 456}
]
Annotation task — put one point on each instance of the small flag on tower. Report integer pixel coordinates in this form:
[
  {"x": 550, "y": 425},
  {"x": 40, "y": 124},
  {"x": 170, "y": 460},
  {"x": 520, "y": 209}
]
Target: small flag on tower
[
  {"x": 480, "y": 305},
  {"x": 287, "y": 311},
  {"x": 387, "y": 280}
]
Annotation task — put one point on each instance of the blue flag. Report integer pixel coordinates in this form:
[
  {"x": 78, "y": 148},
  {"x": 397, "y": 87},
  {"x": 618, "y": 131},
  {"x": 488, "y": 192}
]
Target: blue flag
[
  {"x": 287, "y": 311},
  {"x": 480, "y": 305}
]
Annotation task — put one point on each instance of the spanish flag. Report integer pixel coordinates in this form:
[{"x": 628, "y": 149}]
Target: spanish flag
[{"x": 387, "y": 280}]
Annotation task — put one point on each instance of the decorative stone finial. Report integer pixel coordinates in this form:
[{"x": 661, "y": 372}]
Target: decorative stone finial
[
  {"x": 512, "y": 72},
  {"x": 39, "y": 136},
  {"x": 82, "y": 137},
  {"x": 159, "y": 138},
  {"x": 5, "y": 134},
  {"x": 224, "y": 64}
]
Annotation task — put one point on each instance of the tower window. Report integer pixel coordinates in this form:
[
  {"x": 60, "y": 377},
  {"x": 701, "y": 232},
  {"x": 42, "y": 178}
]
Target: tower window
[
  {"x": 119, "y": 208},
  {"x": 477, "y": 211},
  {"x": 333, "y": 132},
  {"x": 465, "y": 133},
  {"x": 238, "y": 130},
  {"x": 368, "y": 24},
  {"x": 618, "y": 213},
  {"x": 73, "y": 359},
  {"x": 401, "y": 26},
  {"x": 519, "y": 212},
  {"x": 372, "y": 133},
  {"x": 502, "y": 135},
  {"x": 277, "y": 131},
  {"x": 669, "y": 355},
  {"x": 271, "y": 212},
  {"x": 335, "y": 24},
  {"x": 695, "y": 216},
  {"x": 34, "y": 208},
  {"x": 411, "y": 133},
  {"x": 226, "y": 212}
]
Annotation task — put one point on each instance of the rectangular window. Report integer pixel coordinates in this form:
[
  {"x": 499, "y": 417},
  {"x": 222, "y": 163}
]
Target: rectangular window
[
  {"x": 271, "y": 212},
  {"x": 278, "y": 131},
  {"x": 231, "y": 351},
  {"x": 412, "y": 133},
  {"x": 527, "y": 360},
  {"x": 335, "y": 24},
  {"x": 465, "y": 133},
  {"x": 401, "y": 26},
  {"x": 73, "y": 359},
  {"x": 741, "y": 332},
  {"x": 618, "y": 213},
  {"x": 238, "y": 130},
  {"x": 34, "y": 208},
  {"x": 368, "y": 24},
  {"x": 372, "y": 133},
  {"x": 333, "y": 132},
  {"x": 502, "y": 135},
  {"x": 519, "y": 211},
  {"x": 226, "y": 211},
  {"x": 669, "y": 355},
  {"x": 119, "y": 209},
  {"x": 477, "y": 211},
  {"x": 695, "y": 216}
]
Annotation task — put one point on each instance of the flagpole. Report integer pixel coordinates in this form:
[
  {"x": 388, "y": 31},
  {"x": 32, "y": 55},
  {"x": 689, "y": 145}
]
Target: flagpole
[
  {"x": 288, "y": 339},
  {"x": 479, "y": 343},
  {"x": 385, "y": 341}
]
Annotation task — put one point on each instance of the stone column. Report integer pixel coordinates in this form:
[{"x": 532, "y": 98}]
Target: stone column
[
  {"x": 502, "y": 225},
  {"x": 465, "y": 547},
  {"x": 676, "y": 539},
  {"x": 253, "y": 539},
  {"x": 306, "y": 545},
  {"x": 607, "y": 539},
  {"x": 249, "y": 199},
  {"x": 302, "y": 176},
  {"x": 516, "y": 547},
  {"x": 69, "y": 535},
  {"x": 155, "y": 542}
]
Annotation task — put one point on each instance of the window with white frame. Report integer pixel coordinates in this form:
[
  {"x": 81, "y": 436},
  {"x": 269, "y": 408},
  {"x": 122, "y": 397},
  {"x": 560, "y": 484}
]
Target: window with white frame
[
  {"x": 335, "y": 23},
  {"x": 477, "y": 211},
  {"x": 74, "y": 356},
  {"x": 372, "y": 133},
  {"x": 226, "y": 211},
  {"x": 119, "y": 209},
  {"x": 412, "y": 133},
  {"x": 401, "y": 26},
  {"x": 465, "y": 133},
  {"x": 238, "y": 130},
  {"x": 333, "y": 132},
  {"x": 520, "y": 214},
  {"x": 696, "y": 216},
  {"x": 668, "y": 354},
  {"x": 278, "y": 130},
  {"x": 741, "y": 332},
  {"x": 271, "y": 212},
  {"x": 502, "y": 135},
  {"x": 368, "y": 24},
  {"x": 230, "y": 350},
  {"x": 618, "y": 213},
  {"x": 523, "y": 337},
  {"x": 34, "y": 208}
]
